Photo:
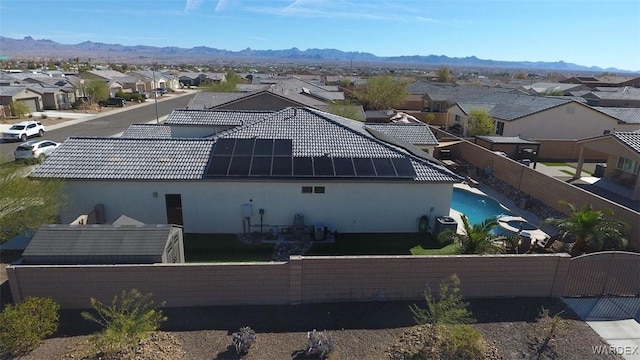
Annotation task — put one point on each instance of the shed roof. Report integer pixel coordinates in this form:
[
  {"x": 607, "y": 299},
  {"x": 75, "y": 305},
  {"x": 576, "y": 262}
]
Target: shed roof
[
  {"x": 99, "y": 240},
  {"x": 508, "y": 140}
]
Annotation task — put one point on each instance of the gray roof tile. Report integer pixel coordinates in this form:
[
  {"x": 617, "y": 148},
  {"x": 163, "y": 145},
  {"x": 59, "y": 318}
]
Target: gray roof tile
[
  {"x": 154, "y": 131},
  {"x": 631, "y": 139},
  {"x": 625, "y": 115},
  {"x": 208, "y": 100},
  {"x": 127, "y": 159},
  {"x": 416, "y": 134},
  {"x": 512, "y": 106},
  {"x": 214, "y": 117}
]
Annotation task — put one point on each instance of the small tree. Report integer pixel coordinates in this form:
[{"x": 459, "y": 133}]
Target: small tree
[
  {"x": 96, "y": 89},
  {"x": 480, "y": 122},
  {"x": 344, "y": 109},
  {"x": 447, "y": 307},
  {"x": 24, "y": 325},
  {"x": 129, "y": 320},
  {"x": 18, "y": 108},
  {"x": 520, "y": 75},
  {"x": 443, "y": 74},
  {"x": 382, "y": 93},
  {"x": 476, "y": 238},
  {"x": 429, "y": 118}
]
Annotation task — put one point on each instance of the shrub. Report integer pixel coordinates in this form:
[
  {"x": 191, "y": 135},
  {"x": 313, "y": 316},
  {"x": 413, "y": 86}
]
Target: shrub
[
  {"x": 24, "y": 325},
  {"x": 18, "y": 108},
  {"x": 43, "y": 116},
  {"x": 446, "y": 308},
  {"x": 243, "y": 339},
  {"x": 460, "y": 342},
  {"x": 320, "y": 344},
  {"x": 129, "y": 320},
  {"x": 543, "y": 333}
]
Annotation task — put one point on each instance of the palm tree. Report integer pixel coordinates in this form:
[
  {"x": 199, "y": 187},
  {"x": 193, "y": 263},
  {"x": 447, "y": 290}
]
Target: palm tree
[
  {"x": 590, "y": 228},
  {"x": 477, "y": 238}
]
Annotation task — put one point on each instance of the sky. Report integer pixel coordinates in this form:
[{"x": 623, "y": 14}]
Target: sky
[{"x": 603, "y": 33}]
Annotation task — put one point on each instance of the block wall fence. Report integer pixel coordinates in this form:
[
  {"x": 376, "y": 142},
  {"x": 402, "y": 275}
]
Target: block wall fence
[{"x": 301, "y": 280}]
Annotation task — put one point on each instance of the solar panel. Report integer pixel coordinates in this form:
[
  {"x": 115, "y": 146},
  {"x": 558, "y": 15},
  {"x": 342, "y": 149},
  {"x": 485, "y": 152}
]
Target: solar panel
[
  {"x": 302, "y": 166},
  {"x": 364, "y": 167},
  {"x": 240, "y": 166},
  {"x": 383, "y": 166},
  {"x": 281, "y": 166},
  {"x": 224, "y": 147},
  {"x": 263, "y": 147},
  {"x": 323, "y": 166},
  {"x": 282, "y": 147},
  {"x": 219, "y": 165},
  {"x": 344, "y": 167},
  {"x": 404, "y": 168},
  {"x": 244, "y": 147},
  {"x": 261, "y": 166}
]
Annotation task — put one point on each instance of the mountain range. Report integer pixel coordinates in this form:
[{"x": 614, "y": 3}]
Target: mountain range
[{"x": 29, "y": 47}]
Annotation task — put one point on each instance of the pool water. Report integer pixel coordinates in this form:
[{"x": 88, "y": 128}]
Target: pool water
[{"x": 475, "y": 206}]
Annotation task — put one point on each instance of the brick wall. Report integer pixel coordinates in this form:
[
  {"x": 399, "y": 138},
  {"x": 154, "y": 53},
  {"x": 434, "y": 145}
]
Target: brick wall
[{"x": 301, "y": 280}]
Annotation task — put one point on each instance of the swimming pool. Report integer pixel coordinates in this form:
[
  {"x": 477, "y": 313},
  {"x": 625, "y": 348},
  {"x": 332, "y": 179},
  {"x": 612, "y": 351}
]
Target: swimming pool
[{"x": 475, "y": 206}]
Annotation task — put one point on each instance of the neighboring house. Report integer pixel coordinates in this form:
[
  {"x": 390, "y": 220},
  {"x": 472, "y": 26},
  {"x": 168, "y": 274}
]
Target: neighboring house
[
  {"x": 111, "y": 77},
  {"x": 187, "y": 79},
  {"x": 277, "y": 97},
  {"x": 560, "y": 89},
  {"x": 442, "y": 98},
  {"x": 20, "y": 94},
  {"x": 619, "y": 97},
  {"x": 604, "y": 81},
  {"x": 417, "y": 134},
  {"x": 297, "y": 163},
  {"x": 416, "y": 92},
  {"x": 105, "y": 244},
  {"x": 623, "y": 162},
  {"x": 540, "y": 117},
  {"x": 53, "y": 97}
]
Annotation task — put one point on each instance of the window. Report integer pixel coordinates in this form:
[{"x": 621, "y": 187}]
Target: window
[
  {"x": 628, "y": 165},
  {"x": 307, "y": 189},
  {"x": 499, "y": 127},
  {"x": 457, "y": 118},
  {"x": 318, "y": 189},
  {"x": 313, "y": 190}
]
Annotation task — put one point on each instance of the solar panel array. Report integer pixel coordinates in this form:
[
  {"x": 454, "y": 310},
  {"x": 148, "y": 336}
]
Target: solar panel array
[{"x": 274, "y": 158}]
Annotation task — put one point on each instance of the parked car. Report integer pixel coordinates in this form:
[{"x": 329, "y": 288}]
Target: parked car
[
  {"x": 24, "y": 130},
  {"x": 35, "y": 149},
  {"x": 160, "y": 91},
  {"x": 114, "y": 101}
]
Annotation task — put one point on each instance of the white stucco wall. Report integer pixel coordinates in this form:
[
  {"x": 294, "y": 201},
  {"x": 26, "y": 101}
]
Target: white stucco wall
[{"x": 215, "y": 207}]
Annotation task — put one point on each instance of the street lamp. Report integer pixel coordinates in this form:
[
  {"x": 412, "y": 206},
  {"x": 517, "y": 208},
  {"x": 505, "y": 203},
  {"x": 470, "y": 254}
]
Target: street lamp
[{"x": 155, "y": 94}]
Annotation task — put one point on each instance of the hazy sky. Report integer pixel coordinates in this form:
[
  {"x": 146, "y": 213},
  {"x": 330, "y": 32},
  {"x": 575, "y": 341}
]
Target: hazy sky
[{"x": 603, "y": 33}]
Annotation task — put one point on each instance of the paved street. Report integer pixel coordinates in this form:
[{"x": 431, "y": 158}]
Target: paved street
[{"x": 113, "y": 122}]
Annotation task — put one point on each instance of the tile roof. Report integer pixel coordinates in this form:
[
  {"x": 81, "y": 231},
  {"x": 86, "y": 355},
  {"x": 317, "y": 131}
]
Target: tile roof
[
  {"x": 422, "y": 88},
  {"x": 98, "y": 241},
  {"x": 506, "y": 106},
  {"x": 127, "y": 158},
  {"x": 154, "y": 131},
  {"x": 316, "y": 134},
  {"x": 631, "y": 139},
  {"x": 11, "y": 90},
  {"x": 313, "y": 133},
  {"x": 416, "y": 134},
  {"x": 208, "y": 100},
  {"x": 460, "y": 93},
  {"x": 625, "y": 115},
  {"x": 214, "y": 117}
]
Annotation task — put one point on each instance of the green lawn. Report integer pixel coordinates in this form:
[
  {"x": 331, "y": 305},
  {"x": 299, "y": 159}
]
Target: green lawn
[
  {"x": 227, "y": 247},
  {"x": 223, "y": 248}
]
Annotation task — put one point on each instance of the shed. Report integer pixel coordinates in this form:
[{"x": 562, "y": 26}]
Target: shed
[
  {"x": 105, "y": 244},
  {"x": 514, "y": 146}
]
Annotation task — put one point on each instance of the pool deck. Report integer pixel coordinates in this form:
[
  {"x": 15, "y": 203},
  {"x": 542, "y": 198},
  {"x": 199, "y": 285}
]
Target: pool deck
[{"x": 505, "y": 201}]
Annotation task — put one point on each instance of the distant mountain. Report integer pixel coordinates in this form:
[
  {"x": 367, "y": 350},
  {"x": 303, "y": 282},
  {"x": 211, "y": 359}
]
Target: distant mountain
[{"x": 31, "y": 48}]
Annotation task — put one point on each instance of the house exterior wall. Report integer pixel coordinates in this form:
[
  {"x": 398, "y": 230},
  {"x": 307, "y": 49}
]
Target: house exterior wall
[
  {"x": 216, "y": 207},
  {"x": 569, "y": 121},
  {"x": 302, "y": 280}
]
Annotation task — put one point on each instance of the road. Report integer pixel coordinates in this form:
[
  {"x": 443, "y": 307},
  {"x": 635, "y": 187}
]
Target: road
[{"x": 109, "y": 124}]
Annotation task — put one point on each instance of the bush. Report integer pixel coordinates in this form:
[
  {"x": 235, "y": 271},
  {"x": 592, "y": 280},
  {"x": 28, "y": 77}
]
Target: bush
[
  {"x": 243, "y": 339},
  {"x": 460, "y": 342},
  {"x": 129, "y": 320},
  {"x": 24, "y": 325},
  {"x": 447, "y": 308},
  {"x": 546, "y": 329},
  {"x": 321, "y": 343},
  {"x": 18, "y": 108}
]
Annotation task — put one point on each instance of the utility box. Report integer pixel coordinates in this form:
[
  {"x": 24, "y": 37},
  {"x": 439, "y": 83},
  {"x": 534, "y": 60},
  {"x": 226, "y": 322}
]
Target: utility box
[
  {"x": 443, "y": 223},
  {"x": 599, "y": 171},
  {"x": 247, "y": 210}
]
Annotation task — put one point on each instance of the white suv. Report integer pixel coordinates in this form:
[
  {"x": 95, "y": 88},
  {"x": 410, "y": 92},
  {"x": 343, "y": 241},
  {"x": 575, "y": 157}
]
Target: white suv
[{"x": 23, "y": 130}]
